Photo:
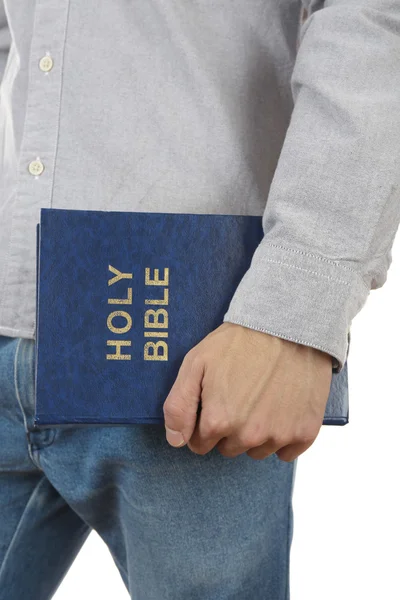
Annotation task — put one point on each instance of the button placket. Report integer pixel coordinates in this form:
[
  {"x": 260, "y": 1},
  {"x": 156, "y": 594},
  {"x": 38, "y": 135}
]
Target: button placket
[
  {"x": 40, "y": 138},
  {"x": 36, "y": 167}
]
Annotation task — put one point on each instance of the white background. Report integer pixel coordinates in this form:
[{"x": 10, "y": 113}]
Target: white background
[{"x": 346, "y": 498}]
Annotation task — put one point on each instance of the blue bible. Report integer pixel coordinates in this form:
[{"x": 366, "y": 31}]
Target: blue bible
[{"x": 121, "y": 297}]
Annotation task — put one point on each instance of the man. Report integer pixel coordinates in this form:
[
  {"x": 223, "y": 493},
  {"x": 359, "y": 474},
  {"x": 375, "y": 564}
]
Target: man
[{"x": 239, "y": 107}]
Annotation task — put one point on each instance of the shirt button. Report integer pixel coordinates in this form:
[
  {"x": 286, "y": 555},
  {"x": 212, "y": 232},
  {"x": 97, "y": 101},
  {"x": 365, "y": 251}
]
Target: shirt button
[
  {"x": 46, "y": 64},
  {"x": 36, "y": 167}
]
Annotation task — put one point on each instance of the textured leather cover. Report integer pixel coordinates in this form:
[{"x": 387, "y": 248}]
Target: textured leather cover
[{"x": 81, "y": 294}]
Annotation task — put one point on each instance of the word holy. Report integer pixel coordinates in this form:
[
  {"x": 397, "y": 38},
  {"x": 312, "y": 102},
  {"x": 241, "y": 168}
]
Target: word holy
[{"x": 154, "y": 319}]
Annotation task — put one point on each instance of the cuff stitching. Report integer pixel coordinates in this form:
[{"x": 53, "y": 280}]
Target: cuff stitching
[
  {"x": 279, "y": 262},
  {"x": 317, "y": 257}
]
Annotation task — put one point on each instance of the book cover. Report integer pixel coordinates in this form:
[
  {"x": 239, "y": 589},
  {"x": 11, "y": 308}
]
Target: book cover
[{"x": 122, "y": 297}]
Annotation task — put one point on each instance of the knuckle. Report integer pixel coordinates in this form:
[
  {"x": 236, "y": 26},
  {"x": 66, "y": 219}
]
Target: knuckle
[
  {"x": 215, "y": 426},
  {"x": 279, "y": 440},
  {"x": 307, "y": 436},
  {"x": 252, "y": 436},
  {"x": 307, "y": 440},
  {"x": 302, "y": 436},
  {"x": 250, "y": 440}
]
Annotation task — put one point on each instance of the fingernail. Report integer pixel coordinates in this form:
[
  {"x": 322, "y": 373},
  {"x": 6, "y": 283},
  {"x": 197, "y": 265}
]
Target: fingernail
[{"x": 175, "y": 438}]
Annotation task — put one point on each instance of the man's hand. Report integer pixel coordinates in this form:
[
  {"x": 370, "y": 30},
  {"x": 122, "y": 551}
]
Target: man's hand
[{"x": 259, "y": 394}]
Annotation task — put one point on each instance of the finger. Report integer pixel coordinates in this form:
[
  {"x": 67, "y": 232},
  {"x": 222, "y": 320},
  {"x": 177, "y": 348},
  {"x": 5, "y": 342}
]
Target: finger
[
  {"x": 247, "y": 438},
  {"x": 264, "y": 450},
  {"x": 209, "y": 430},
  {"x": 181, "y": 405},
  {"x": 292, "y": 451}
]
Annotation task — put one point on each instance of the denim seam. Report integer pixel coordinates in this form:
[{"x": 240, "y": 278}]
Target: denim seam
[
  {"x": 33, "y": 447},
  {"x": 16, "y": 356}
]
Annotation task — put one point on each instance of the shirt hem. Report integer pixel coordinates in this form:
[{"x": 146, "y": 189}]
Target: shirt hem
[{"x": 12, "y": 332}]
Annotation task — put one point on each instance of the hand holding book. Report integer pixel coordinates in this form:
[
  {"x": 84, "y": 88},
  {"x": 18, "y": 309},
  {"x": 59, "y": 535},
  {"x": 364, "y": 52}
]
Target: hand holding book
[{"x": 260, "y": 394}]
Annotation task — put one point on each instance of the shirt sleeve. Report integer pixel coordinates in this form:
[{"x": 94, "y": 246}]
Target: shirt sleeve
[
  {"x": 333, "y": 208},
  {"x": 4, "y": 39}
]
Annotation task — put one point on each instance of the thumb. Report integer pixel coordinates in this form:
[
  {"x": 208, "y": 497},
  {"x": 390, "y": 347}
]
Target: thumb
[{"x": 182, "y": 403}]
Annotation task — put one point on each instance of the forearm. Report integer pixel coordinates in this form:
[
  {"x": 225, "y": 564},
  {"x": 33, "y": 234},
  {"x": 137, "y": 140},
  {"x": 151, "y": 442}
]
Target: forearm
[{"x": 334, "y": 204}]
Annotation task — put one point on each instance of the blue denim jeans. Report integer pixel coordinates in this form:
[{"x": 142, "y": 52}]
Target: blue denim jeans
[{"x": 178, "y": 525}]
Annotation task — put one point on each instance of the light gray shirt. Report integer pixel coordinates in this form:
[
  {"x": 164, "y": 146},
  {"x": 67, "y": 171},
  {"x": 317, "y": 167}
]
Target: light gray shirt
[{"x": 211, "y": 106}]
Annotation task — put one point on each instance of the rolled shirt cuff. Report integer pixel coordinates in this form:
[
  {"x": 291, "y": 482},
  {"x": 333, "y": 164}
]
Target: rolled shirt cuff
[{"x": 300, "y": 297}]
